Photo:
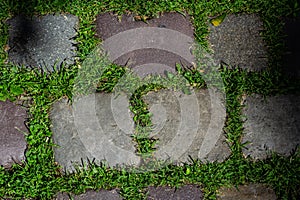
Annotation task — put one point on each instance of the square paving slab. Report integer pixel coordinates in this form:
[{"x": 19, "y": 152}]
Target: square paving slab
[
  {"x": 188, "y": 125},
  {"x": 12, "y": 129},
  {"x": 42, "y": 41},
  {"x": 95, "y": 126},
  {"x": 150, "y": 47},
  {"x": 271, "y": 125},
  {"x": 237, "y": 42}
]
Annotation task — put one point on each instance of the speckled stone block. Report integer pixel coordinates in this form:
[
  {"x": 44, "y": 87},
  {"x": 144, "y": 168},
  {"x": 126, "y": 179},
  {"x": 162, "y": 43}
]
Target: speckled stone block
[
  {"x": 42, "y": 41},
  {"x": 271, "y": 125},
  {"x": 12, "y": 129},
  {"x": 188, "y": 125},
  {"x": 237, "y": 42}
]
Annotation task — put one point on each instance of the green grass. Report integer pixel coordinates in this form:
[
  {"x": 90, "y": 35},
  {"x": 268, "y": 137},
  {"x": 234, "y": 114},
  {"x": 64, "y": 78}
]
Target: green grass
[{"x": 41, "y": 178}]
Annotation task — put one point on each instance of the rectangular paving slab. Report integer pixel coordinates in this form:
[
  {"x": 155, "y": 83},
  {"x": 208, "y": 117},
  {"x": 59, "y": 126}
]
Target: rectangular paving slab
[
  {"x": 271, "y": 125},
  {"x": 188, "y": 125},
  {"x": 237, "y": 42},
  {"x": 42, "y": 41},
  {"x": 150, "y": 47},
  {"x": 12, "y": 130}
]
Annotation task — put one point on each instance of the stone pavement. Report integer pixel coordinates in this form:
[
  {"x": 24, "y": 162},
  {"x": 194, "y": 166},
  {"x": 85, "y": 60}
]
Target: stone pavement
[
  {"x": 42, "y": 41},
  {"x": 12, "y": 133},
  {"x": 271, "y": 125},
  {"x": 247, "y": 192},
  {"x": 184, "y": 124}
]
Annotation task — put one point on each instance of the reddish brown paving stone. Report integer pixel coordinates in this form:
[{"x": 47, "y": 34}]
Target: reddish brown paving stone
[
  {"x": 92, "y": 195},
  {"x": 108, "y": 25},
  {"x": 12, "y": 128},
  {"x": 187, "y": 192},
  {"x": 247, "y": 192}
]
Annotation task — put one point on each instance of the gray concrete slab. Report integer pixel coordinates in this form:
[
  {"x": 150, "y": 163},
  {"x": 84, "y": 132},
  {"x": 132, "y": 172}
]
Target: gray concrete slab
[
  {"x": 247, "y": 192},
  {"x": 42, "y": 41},
  {"x": 186, "y": 192},
  {"x": 150, "y": 47},
  {"x": 95, "y": 126},
  {"x": 237, "y": 42},
  {"x": 271, "y": 125},
  {"x": 188, "y": 125},
  {"x": 91, "y": 195},
  {"x": 12, "y": 133}
]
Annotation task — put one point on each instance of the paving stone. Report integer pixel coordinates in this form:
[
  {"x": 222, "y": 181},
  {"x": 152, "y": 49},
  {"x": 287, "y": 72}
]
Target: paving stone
[
  {"x": 271, "y": 125},
  {"x": 42, "y": 41},
  {"x": 247, "y": 192},
  {"x": 95, "y": 126},
  {"x": 188, "y": 125},
  {"x": 12, "y": 129},
  {"x": 92, "y": 195},
  {"x": 237, "y": 42},
  {"x": 187, "y": 192},
  {"x": 291, "y": 57},
  {"x": 149, "y": 48}
]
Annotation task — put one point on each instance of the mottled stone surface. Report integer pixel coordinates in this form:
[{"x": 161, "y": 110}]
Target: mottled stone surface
[
  {"x": 150, "y": 47},
  {"x": 42, "y": 41},
  {"x": 247, "y": 192},
  {"x": 94, "y": 126},
  {"x": 12, "y": 130},
  {"x": 188, "y": 125},
  {"x": 91, "y": 195},
  {"x": 271, "y": 125},
  {"x": 187, "y": 192},
  {"x": 237, "y": 42}
]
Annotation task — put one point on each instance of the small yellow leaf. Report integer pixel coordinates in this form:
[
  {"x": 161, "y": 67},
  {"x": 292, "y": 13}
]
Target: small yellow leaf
[{"x": 218, "y": 20}]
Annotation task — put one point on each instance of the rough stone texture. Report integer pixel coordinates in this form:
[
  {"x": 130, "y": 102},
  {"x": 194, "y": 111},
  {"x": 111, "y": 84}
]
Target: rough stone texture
[
  {"x": 187, "y": 192},
  {"x": 91, "y": 195},
  {"x": 271, "y": 125},
  {"x": 237, "y": 42},
  {"x": 188, "y": 125},
  {"x": 151, "y": 52},
  {"x": 95, "y": 126},
  {"x": 42, "y": 41},
  {"x": 12, "y": 128},
  {"x": 292, "y": 55},
  {"x": 247, "y": 192}
]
